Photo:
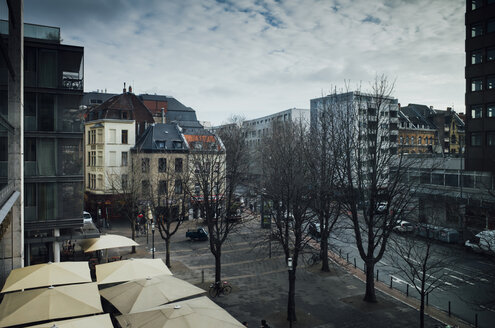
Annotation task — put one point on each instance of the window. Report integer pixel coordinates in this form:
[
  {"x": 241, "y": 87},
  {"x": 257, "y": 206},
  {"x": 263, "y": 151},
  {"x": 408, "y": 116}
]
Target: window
[
  {"x": 124, "y": 137},
  {"x": 476, "y": 57},
  {"x": 197, "y": 189},
  {"x": 145, "y": 187},
  {"x": 99, "y": 136},
  {"x": 145, "y": 165},
  {"x": 490, "y": 26},
  {"x": 30, "y": 149},
  {"x": 177, "y": 144},
  {"x": 453, "y": 139},
  {"x": 99, "y": 183},
  {"x": 476, "y": 84},
  {"x": 162, "y": 165},
  {"x": 419, "y": 140},
  {"x": 490, "y": 54},
  {"x": 412, "y": 140},
  {"x": 92, "y": 158},
  {"x": 92, "y": 181},
  {"x": 124, "y": 181},
  {"x": 124, "y": 158},
  {"x": 401, "y": 139},
  {"x": 112, "y": 158},
  {"x": 490, "y": 110},
  {"x": 476, "y": 139},
  {"x": 99, "y": 159},
  {"x": 178, "y": 165},
  {"x": 476, "y": 30},
  {"x": 490, "y": 139},
  {"x": 490, "y": 82},
  {"x": 178, "y": 186},
  {"x": 162, "y": 187},
  {"x": 426, "y": 140},
  {"x": 475, "y": 4},
  {"x": 112, "y": 136},
  {"x": 476, "y": 111},
  {"x": 407, "y": 140}
]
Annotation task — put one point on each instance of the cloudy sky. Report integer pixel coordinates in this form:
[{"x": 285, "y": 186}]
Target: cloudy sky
[{"x": 257, "y": 57}]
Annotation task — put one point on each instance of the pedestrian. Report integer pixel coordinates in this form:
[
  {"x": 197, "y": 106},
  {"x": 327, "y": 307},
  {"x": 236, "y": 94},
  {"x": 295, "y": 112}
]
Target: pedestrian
[
  {"x": 264, "y": 324},
  {"x": 245, "y": 323}
]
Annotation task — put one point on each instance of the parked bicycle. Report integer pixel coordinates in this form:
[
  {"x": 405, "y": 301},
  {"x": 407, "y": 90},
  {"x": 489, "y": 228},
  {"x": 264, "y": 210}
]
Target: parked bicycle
[
  {"x": 219, "y": 288},
  {"x": 313, "y": 259}
]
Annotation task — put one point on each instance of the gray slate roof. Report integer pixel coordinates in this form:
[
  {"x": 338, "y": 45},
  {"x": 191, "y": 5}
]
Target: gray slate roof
[{"x": 161, "y": 137}]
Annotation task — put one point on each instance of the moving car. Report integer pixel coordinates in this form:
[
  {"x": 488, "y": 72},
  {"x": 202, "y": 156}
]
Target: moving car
[
  {"x": 483, "y": 242},
  {"x": 197, "y": 234},
  {"x": 403, "y": 226},
  {"x": 87, "y": 217}
]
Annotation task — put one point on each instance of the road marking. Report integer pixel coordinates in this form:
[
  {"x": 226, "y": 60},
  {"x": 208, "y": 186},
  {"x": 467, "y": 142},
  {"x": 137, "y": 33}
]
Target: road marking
[
  {"x": 460, "y": 279},
  {"x": 413, "y": 260},
  {"x": 449, "y": 284},
  {"x": 487, "y": 308},
  {"x": 395, "y": 279},
  {"x": 382, "y": 262}
]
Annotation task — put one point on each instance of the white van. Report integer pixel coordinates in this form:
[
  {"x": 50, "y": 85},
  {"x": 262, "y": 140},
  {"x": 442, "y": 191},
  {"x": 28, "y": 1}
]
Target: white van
[{"x": 483, "y": 242}]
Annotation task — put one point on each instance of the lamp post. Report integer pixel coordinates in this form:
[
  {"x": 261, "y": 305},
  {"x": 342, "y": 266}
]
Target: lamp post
[{"x": 152, "y": 239}]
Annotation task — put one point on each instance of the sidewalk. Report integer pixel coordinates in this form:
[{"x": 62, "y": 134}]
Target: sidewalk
[{"x": 260, "y": 284}]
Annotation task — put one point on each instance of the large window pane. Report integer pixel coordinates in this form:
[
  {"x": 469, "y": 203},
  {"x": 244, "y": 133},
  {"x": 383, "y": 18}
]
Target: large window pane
[
  {"x": 476, "y": 139},
  {"x": 72, "y": 196},
  {"x": 476, "y": 111},
  {"x": 490, "y": 139},
  {"x": 475, "y": 4},
  {"x": 47, "y": 194},
  {"x": 490, "y": 26},
  {"x": 70, "y": 157},
  {"x": 29, "y": 201},
  {"x": 490, "y": 82},
  {"x": 30, "y": 111},
  {"x": 490, "y": 110},
  {"x": 46, "y": 112},
  {"x": 4, "y": 156},
  {"x": 46, "y": 157},
  {"x": 47, "y": 76},
  {"x": 30, "y": 157},
  {"x": 476, "y": 30}
]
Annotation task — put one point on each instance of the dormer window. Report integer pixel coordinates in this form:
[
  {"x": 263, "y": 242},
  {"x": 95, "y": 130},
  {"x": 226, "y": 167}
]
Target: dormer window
[
  {"x": 125, "y": 115},
  {"x": 160, "y": 144},
  {"x": 177, "y": 144}
]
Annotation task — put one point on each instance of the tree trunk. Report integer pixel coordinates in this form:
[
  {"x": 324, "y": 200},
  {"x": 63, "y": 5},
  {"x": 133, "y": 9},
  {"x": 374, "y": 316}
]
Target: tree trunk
[
  {"x": 218, "y": 266},
  {"x": 133, "y": 229},
  {"x": 291, "y": 305},
  {"x": 370, "y": 295},
  {"x": 324, "y": 254},
  {"x": 422, "y": 311},
  {"x": 167, "y": 252}
]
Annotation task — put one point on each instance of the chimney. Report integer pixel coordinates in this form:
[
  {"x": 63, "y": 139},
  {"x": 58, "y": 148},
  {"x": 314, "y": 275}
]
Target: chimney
[
  {"x": 124, "y": 88},
  {"x": 163, "y": 115},
  {"x": 130, "y": 89}
]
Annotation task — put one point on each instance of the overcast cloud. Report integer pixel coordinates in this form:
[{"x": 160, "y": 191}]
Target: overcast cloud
[{"x": 257, "y": 57}]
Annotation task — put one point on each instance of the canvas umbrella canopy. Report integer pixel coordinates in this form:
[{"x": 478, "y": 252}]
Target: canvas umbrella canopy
[
  {"x": 196, "y": 312},
  {"x": 100, "y": 321},
  {"x": 47, "y": 274},
  {"x": 130, "y": 269},
  {"x": 106, "y": 242},
  {"x": 49, "y": 303},
  {"x": 143, "y": 294}
]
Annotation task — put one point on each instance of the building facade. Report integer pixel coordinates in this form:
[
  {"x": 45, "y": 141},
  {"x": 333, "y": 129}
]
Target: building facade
[
  {"x": 480, "y": 85},
  {"x": 111, "y": 131},
  {"x": 53, "y": 131}
]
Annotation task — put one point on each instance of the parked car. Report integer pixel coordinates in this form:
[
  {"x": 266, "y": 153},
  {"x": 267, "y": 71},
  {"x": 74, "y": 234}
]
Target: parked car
[
  {"x": 87, "y": 217},
  {"x": 483, "y": 242},
  {"x": 381, "y": 207},
  {"x": 403, "y": 227},
  {"x": 197, "y": 234}
]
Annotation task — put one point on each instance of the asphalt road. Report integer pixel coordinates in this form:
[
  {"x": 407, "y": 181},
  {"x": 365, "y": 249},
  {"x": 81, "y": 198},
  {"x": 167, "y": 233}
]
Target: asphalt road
[{"x": 467, "y": 281}]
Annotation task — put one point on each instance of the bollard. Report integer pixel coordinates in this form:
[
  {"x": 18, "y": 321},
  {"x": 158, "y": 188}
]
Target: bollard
[
  {"x": 407, "y": 290},
  {"x": 476, "y": 320},
  {"x": 340, "y": 253},
  {"x": 390, "y": 282},
  {"x": 449, "y": 308},
  {"x": 202, "y": 275},
  {"x": 347, "y": 256},
  {"x": 427, "y": 294},
  {"x": 377, "y": 272},
  {"x": 354, "y": 263}
]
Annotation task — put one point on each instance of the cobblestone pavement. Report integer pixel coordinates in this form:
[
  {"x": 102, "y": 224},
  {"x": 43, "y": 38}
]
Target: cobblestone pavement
[{"x": 260, "y": 283}]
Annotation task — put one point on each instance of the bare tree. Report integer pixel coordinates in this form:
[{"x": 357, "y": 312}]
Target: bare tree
[
  {"x": 322, "y": 148},
  {"x": 374, "y": 175},
  {"x": 215, "y": 173},
  {"x": 285, "y": 185}
]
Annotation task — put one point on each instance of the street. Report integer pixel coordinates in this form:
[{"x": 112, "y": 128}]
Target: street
[{"x": 467, "y": 284}]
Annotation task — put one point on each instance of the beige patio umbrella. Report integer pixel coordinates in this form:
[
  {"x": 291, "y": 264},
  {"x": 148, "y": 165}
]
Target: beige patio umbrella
[
  {"x": 49, "y": 303},
  {"x": 106, "y": 242},
  {"x": 143, "y": 294},
  {"x": 47, "y": 274},
  {"x": 100, "y": 321},
  {"x": 196, "y": 312},
  {"x": 130, "y": 269}
]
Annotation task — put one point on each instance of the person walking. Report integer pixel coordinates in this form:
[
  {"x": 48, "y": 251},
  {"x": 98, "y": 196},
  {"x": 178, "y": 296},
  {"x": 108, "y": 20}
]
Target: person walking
[{"x": 264, "y": 324}]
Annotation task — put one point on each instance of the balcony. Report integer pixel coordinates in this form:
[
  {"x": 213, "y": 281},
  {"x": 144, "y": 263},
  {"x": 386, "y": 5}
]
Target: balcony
[{"x": 72, "y": 81}]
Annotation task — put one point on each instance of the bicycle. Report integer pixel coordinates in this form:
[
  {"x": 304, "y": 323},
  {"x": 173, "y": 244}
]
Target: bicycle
[
  {"x": 219, "y": 288},
  {"x": 314, "y": 259}
]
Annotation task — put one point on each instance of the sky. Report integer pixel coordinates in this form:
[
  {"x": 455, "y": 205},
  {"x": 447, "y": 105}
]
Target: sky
[{"x": 257, "y": 57}]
